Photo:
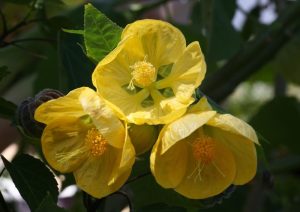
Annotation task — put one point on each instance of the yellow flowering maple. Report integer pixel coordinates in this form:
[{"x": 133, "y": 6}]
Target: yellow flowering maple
[
  {"x": 202, "y": 153},
  {"x": 84, "y": 136},
  {"x": 151, "y": 75}
]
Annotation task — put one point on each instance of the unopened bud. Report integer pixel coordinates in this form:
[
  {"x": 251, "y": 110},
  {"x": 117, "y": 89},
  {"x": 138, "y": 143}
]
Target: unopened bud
[
  {"x": 143, "y": 137},
  {"x": 25, "y": 112}
]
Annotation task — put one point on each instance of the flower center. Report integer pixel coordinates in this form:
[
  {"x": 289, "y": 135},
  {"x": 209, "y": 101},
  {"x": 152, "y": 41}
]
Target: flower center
[
  {"x": 204, "y": 149},
  {"x": 143, "y": 74},
  {"x": 96, "y": 142}
]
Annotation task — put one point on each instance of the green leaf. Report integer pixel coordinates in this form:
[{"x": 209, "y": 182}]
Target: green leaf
[
  {"x": 7, "y": 109},
  {"x": 32, "y": 178},
  {"x": 48, "y": 205},
  {"x": 278, "y": 121},
  {"x": 74, "y": 31},
  {"x": 101, "y": 35},
  {"x": 3, "y": 72}
]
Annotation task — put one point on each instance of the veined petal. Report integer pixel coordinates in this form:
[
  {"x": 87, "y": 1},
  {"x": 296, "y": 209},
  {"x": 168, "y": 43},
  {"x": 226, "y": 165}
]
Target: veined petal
[
  {"x": 162, "y": 42},
  {"x": 207, "y": 180},
  {"x": 94, "y": 174},
  {"x": 122, "y": 102},
  {"x": 244, "y": 153},
  {"x": 183, "y": 127},
  {"x": 169, "y": 168},
  {"x": 103, "y": 118},
  {"x": 115, "y": 67},
  {"x": 186, "y": 74},
  {"x": 200, "y": 106},
  {"x": 64, "y": 106},
  {"x": 234, "y": 125},
  {"x": 63, "y": 143},
  {"x": 128, "y": 153},
  {"x": 121, "y": 172},
  {"x": 101, "y": 176}
]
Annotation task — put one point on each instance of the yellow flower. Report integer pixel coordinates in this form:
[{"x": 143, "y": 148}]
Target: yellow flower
[
  {"x": 202, "y": 153},
  {"x": 151, "y": 75},
  {"x": 84, "y": 136}
]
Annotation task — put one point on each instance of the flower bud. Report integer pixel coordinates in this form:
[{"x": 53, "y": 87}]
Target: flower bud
[
  {"x": 25, "y": 112},
  {"x": 143, "y": 137}
]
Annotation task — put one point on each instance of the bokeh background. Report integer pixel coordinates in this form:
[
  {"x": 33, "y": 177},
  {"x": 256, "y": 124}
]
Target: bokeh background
[{"x": 252, "y": 51}]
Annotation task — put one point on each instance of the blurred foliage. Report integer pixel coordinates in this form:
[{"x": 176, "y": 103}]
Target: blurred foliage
[{"x": 58, "y": 45}]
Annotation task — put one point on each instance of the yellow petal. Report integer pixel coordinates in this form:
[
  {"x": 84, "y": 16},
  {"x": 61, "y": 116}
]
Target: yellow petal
[
  {"x": 103, "y": 118},
  {"x": 64, "y": 106},
  {"x": 211, "y": 179},
  {"x": 101, "y": 176},
  {"x": 234, "y": 125},
  {"x": 169, "y": 168},
  {"x": 186, "y": 74},
  {"x": 128, "y": 153},
  {"x": 162, "y": 42},
  {"x": 94, "y": 174},
  {"x": 244, "y": 153},
  {"x": 183, "y": 127},
  {"x": 63, "y": 144},
  {"x": 200, "y": 106},
  {"x": 115, "y": 67}
]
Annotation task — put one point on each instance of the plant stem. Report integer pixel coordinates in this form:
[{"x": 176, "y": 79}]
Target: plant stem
[
  {"x": 253, "y": 55},
  {"x": 137, "y": 177}
]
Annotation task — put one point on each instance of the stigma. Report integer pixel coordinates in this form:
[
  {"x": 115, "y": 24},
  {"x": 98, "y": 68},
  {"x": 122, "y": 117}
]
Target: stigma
[
  {"x": 143, "y": 74},
  {"x": 95, "y": 142},
  {"x": 204, "y": 149}
]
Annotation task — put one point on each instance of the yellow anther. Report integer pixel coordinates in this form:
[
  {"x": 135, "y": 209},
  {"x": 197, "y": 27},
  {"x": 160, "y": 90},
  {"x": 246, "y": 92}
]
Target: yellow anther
[
  {"x": 143, "y": 74},
  {"x": 96, "y": 142},
  {"x": 203, "y": 149}
]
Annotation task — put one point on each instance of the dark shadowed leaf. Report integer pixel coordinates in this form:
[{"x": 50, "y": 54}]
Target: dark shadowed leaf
[
  {"x": 3, "y": 72},
  {"x": 33, "y": 179},
  {"x": 48, "y": 205},
  {"x": 287, "y": 60},
  {"x": 160, "y": 207},
  {"x": 20, "y": 1},
  {"x": 278, "y": 122},
  {"x": 7, "y": 109},
  {"x": 77, "y": 66},
  {"x": 147, "y": 192},
  {"x": 223, "y": 40},
  {"x": 101, "y": 35}
]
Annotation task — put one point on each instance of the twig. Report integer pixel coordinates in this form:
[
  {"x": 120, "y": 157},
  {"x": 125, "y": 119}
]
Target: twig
[
  {"x": 253, "y": 56},
  {"x": 29, "y": 51},
  {"x": 137, "y": 177},
  {"x": 21, "y": 24},
  {"x": 28, "y": 40},
  {"x": 18, "y": 26}
]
